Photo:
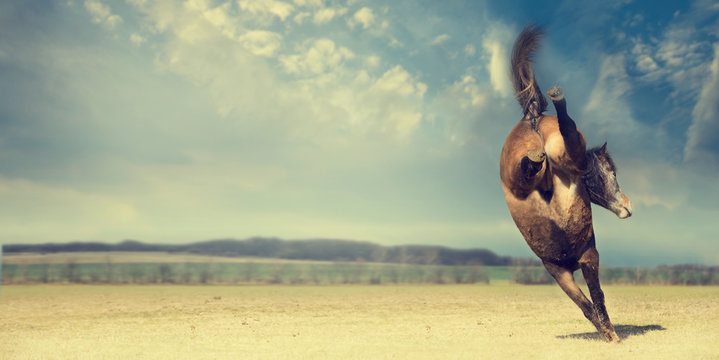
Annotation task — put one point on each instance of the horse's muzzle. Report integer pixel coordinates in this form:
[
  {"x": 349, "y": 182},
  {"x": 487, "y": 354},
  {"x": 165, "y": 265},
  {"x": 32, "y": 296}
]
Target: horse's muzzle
[{"x": 627, "y": 210}]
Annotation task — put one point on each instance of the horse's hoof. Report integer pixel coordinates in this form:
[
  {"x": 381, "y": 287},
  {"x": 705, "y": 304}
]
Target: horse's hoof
[
  {"x": 536, "y": 155},
  {"x": 556, "y": 93},
  {"x": 612, "y": 337}
]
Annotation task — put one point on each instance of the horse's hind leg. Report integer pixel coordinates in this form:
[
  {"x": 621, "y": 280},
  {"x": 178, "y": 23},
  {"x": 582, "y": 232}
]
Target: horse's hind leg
[
  {"x": 590, "y": 269},
  {"x": 565, "y": 279}
]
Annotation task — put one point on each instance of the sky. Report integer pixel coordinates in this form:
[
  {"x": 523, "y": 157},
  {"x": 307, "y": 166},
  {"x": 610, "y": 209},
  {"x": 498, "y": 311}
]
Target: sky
[{"x": 173, "y": 122}]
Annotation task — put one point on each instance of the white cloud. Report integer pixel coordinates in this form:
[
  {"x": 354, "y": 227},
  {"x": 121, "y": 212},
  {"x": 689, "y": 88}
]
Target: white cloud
[
  {"x": 607, "y": 114},
  {"x": 396, "y": 98},
  {"x": 98, "y": 10},
  {"x": 324, "y": 96},
  {"x": 398, "y": 80},
  {"x": 261, "y": 42},
  {"x": 678, "y": 56},
  {"x": 677, "y": 48},
  {"x": 221, "y": 18},
  {"x": 439, "y": 39},
  {"x": 702, "y": 145},
  {"x": 265, "y": 8},
  {"x": 301, "y": 16},
  {"x": 199, "y": 49},
  {"x": 309, "y": 3},
  {"x": 608, "y": 96},
  {"x": 469, "y": 111},
  {"x": 137, "y": 39},
  {"x": 316, "y": 57},
  {"x": 498, "y": 65},
  {"x": 646, "y": 64},
  {"x": 326, "y": 15},
  {"x": 101, "y": 14},
  {"x": 468, "y": 93},
  {"x": 351, "y": 105},
  {"x": 372, "y": 61},
  {"x": 363, "y": 16}
]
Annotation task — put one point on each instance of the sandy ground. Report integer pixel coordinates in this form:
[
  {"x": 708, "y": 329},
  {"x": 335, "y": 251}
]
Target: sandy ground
[{"x": 350, "y": 322}]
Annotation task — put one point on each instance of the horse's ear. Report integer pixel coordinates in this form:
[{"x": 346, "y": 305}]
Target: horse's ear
[{"x": 603, "y": 149}]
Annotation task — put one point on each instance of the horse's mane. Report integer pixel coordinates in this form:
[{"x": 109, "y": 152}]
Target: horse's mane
[{"x": 597, "y": 151}]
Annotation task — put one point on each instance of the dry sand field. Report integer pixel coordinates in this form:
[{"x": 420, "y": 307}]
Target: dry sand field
[{"x": 350, "y": 322}]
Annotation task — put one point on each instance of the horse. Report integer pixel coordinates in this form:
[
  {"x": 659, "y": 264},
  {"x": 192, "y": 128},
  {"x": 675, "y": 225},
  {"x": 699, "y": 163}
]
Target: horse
[{"x": 550, "y": 179}]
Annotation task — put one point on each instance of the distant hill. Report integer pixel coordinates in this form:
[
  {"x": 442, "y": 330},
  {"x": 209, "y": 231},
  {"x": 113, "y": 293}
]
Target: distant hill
[{"x": 314, "y": 249}]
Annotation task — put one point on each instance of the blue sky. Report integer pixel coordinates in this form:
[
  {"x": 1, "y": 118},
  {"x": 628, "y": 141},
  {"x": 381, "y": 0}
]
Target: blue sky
[{"x": 169, "y": 121}]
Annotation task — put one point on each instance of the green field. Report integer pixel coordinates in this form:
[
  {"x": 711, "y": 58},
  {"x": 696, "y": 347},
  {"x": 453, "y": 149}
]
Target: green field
[
  {"x": 350, "y": 322},
  {"x": 189, "y": 269},
  {"x": 164, "y": 268}
]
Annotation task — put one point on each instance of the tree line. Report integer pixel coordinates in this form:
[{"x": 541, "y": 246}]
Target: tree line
[
  {"x": 313, "y": 249},
  {"x": 685, "y": 274},
  {"x": 250, "y": 273}
]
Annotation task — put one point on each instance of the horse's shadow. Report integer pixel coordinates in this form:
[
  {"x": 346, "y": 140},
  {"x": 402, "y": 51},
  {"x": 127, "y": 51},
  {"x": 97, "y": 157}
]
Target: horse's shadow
[{"x": 623, "y": 331}]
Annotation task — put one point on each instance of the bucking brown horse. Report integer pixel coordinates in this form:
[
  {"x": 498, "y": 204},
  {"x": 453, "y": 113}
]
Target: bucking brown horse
[{"x": 550, "y": 179}]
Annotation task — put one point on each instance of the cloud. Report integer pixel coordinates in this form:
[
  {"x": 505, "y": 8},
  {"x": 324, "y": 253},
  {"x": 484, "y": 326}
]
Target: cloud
[
  {"x": 385, "y": 108},
  {"x": 677, "y": 49},
  {"x": 316, "y": 57},
  {"x": 267, "y": 8},
  {"x": 220, "y": 17},
  {"x": 439, "y": 39},
  {"x": 137, "y": 39},
  {"x": 372, "y": 61},
  {"x": 470, "y": 113},
  {"x": 679, "y": 55},
  {"x": 681, "y": 59},
  {"x": 203, "y": 49},
  {"x": 498, "y": 64},
  {"x": 398, "y": 80},
  {"x": 325, "y": 95},
  {"x": 326, "y": 15},
  {"x": 261, "y": 42},
  {"x": 301, "y": 16},
  {"x": 702, "y": 146},
  {"x": 309, "y": 3},
  {"x": 607, "y": 110},
  {"x": 395, "y": 92},
  {"x": 354, "y": 106},
  {"x": 363, "y": 16},
  {"x": 643, "y": 57},
  {"x": 101, "y": 14},
  {"x": 468, "y": 93}
]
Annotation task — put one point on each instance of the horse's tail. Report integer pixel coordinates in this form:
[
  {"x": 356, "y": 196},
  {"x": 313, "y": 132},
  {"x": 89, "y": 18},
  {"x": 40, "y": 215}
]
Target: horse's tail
[{"x": 526, "y": 89}]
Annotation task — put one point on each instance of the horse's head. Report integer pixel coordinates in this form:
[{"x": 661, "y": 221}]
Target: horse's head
[{"x": 602, "y": 185}]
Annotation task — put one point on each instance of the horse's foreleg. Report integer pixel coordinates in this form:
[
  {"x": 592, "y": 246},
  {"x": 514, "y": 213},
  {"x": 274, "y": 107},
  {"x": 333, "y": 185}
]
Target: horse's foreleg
[
  {"x": 565, "y": 279},
  {"x": 590, "y": 269}
]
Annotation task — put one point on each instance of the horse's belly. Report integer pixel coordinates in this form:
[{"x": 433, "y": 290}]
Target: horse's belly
[{"x": 556, "y": 232}]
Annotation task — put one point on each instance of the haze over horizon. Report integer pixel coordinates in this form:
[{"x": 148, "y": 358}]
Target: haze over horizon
[{"x": 176, "y": 122}]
